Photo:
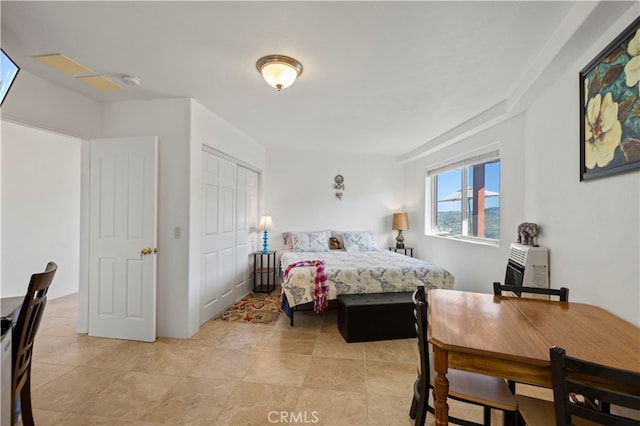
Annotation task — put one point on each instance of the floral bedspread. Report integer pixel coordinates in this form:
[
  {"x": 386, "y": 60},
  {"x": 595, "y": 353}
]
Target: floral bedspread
[{"x": 360, "y": 272}]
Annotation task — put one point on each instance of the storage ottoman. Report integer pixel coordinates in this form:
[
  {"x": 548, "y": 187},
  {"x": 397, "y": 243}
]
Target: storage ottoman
[{"x": 376, "y": 316}]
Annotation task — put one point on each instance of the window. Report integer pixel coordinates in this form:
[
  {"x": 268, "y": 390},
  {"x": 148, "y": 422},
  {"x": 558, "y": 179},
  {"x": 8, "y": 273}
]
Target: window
[{"x": 465, "y": 198}]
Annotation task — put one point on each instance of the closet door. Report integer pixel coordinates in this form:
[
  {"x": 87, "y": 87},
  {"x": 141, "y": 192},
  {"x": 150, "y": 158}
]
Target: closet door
[
  {"x": 219, "y": 242},
  {"x": 247, "y": 222}
]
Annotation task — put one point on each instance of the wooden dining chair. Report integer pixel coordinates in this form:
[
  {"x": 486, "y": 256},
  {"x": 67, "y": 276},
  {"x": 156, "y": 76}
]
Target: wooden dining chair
[
  {"x": 485, "y": 391},
  {"x": 562, "y": 293},
  {"x": 532, "y": 411},
  {"x": 600, "y": 390},
  {"x": 24, "y": 333}
]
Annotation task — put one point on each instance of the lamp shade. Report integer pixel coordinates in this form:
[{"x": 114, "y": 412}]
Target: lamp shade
[
  {"x": 279, "y": 71},
  {"x": 400, "y": 221},
  {"x": 266, "y": 223}
]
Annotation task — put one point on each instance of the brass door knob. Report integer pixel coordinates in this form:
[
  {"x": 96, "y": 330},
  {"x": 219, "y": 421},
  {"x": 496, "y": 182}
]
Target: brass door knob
[{"x": 147, "y": 251}]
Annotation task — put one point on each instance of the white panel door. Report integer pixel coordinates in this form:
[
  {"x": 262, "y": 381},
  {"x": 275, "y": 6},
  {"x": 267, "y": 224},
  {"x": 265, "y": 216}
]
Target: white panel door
[
  {"x": 123, "y": 223},
  {"x": 247, "y": 222},
  {"x": 219, "y": 240}
]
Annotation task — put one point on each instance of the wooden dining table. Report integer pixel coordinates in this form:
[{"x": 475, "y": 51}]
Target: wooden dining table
[{"x": 510, "y": 337}]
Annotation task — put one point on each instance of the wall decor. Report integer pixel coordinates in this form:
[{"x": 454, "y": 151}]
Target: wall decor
[
  {"x": 610, "y": 108},
  {"x": 339, "y": 185}
]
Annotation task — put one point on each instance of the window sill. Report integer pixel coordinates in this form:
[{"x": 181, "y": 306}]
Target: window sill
[{"x": 471, "y": 240}]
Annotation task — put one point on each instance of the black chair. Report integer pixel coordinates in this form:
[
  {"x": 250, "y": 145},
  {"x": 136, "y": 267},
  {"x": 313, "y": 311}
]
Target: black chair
[
  {"x": 589, "y": 391},
  {"x": 23, "y": 337},
  {"x": 531, "y": 410},
  {"x": 562, "y": 293},
  {"x": 485, "y": 391}
]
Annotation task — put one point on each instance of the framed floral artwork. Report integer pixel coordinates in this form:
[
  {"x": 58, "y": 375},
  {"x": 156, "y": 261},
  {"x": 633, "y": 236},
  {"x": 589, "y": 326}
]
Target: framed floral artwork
[{"x": 610, "y": 108}]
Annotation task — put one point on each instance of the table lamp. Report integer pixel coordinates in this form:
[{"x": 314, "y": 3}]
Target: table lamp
[
  {"x": 266, "y": 224},
  {"x": 400, "y": 223}
]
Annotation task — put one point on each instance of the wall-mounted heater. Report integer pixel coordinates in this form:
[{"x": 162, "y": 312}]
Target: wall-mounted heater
[{"x": 528, "y": 266}]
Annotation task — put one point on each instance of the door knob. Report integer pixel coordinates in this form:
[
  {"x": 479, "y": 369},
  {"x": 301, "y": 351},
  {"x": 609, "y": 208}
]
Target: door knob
[{"x": 147, "y": 251}]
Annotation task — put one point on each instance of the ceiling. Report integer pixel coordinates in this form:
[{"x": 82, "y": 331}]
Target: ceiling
[{"x": 379, "y": 77}]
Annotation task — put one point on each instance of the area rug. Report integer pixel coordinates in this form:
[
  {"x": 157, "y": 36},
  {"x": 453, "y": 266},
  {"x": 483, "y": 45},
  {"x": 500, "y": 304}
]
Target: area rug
[{"x": 260, "y": 308}]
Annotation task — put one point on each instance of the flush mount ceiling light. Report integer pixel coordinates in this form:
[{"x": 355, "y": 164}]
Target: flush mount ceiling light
[{"x": 279, "y": 71}]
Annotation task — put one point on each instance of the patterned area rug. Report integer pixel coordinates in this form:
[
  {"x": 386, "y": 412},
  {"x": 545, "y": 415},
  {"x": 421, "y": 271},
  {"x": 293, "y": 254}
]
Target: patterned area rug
[{"x": 258, "y": 308}]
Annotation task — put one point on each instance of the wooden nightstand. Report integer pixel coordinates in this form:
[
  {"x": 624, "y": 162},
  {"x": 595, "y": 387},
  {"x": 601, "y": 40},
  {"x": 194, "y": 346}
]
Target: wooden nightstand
[
  {"x": 407, "y": 251},
  {"x": 264, "y": 272}
]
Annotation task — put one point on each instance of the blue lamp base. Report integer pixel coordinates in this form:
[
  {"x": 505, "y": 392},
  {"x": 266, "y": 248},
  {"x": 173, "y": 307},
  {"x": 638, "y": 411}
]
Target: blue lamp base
[{"x": 265, "y": 247}]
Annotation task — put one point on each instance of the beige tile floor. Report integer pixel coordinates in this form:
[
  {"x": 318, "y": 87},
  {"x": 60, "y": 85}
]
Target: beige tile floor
[{"x": 229, "y": 373}]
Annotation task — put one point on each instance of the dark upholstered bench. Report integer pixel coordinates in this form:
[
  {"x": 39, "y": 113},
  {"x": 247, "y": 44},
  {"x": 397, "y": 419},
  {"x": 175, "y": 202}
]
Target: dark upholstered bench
[{"x": 376, "y": 316}]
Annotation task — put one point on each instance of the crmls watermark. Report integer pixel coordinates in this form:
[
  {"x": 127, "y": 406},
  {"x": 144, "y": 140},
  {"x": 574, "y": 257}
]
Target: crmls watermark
[{"x": 290, "y": 417}]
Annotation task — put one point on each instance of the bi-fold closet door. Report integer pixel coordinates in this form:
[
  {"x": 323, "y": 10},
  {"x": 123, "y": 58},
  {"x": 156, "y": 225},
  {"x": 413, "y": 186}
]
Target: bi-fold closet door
[{"x": 231, "y": 194}]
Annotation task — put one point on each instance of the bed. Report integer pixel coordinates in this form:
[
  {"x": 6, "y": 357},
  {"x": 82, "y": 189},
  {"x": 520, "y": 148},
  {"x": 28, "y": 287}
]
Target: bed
[{"x": 349, "y": 270}]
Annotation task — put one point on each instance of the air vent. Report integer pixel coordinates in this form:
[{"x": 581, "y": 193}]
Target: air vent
[
  {"x": 66, "y": 65},
  {"x": 63, "y": 64},
  {"x": 518, "y": 255}
]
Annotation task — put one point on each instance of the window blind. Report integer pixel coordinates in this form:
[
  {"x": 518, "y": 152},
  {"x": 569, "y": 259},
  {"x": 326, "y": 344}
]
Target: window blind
[{"x": 466, "y": 162}]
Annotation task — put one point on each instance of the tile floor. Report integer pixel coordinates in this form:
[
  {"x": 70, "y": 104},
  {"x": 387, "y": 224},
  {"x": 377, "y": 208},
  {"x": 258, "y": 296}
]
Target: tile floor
[{"x": 229, "y": 373}]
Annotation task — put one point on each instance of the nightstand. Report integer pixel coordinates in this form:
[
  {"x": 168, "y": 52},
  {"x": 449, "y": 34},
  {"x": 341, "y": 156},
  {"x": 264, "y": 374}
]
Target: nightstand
[
  {"x": 264, "y": 272},
  {"x": 407, "y": 251}
]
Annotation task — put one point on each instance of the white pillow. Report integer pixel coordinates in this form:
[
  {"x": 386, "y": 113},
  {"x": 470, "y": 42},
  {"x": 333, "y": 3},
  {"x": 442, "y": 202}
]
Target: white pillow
[
  {"x": 310, "y": 241},
  {"x": 288, "y": 243},
  {"x": 360, "y": 241}
]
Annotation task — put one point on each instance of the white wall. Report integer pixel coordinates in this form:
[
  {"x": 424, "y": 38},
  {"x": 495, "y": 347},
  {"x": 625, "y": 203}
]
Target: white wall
[
  {"x": 474, "y": 266},
  {"x": 40, "y": 104},
  {"x": 35, "y": 101},
  {"x": 40, "y": 208},
  {"x": 182, "y": 126},
  {"x": 169, "y": 120},
  {"x": 300, "y": 195},
  {"x": 210, "y": 130},
  {"x": 591, "y": 228}
]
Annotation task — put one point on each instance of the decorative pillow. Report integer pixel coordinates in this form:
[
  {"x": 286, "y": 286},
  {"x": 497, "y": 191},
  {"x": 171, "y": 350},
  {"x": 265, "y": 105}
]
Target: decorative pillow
[
  {"x": 334, "y": 244},
  {"x": 360, "y": 241},
  {"x": 338, "y": 236},
  {"x": 309, "y": 241},
  {"x": 288, "y": 243}
]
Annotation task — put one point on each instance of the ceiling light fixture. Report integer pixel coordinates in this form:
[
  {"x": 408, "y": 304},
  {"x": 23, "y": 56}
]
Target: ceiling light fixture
[{"x": 279, "y": 71}]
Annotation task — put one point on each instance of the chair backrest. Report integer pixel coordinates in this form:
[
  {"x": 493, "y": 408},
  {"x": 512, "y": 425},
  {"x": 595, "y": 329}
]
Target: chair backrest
[
  {"x": 594, "y": 382},
  {"x": 420, "y": 312},
  {"x": 562, "y": 292},
  {"x": 27, "y": 325}
]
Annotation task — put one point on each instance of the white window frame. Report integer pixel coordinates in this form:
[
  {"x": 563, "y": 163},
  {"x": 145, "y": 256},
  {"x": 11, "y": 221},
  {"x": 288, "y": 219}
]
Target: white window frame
[{"x": 431, "y": 202}]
